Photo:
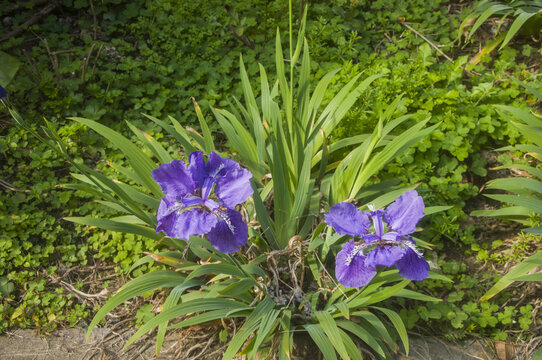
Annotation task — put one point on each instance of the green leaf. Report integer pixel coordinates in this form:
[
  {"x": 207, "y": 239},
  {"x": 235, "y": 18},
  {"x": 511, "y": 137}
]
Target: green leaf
[
  {"x": 397, "y": 323},
  {"x": 9, "y": 68},
  {"x": 172, "y": 300},
  {"x": 519, "y": 270},
  {"x": 485, "y": 15},
  {"x": 409, "y": 294},
  {"x": 116, "y": 226},
  {"x": 530, "y": 277},
  {"x": 140, "y": 162},
  {"x": 321, "y": 340},
  {"x": 516, "y": 25},
  {"x": 146, "y": 282},
  {"x": 249, "y": 327},
  {"x": 327, "y": 323},
  {"x": 207, "y": 136},
  {"x": 189, "y": 307},
  {"x": 530, "y": 203},
  {"x": 363, "y": 335},
  {"x": 153, "y": 145}
]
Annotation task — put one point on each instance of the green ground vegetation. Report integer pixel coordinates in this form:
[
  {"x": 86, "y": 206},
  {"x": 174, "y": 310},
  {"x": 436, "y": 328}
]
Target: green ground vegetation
[{"x": 113, "y": 60}]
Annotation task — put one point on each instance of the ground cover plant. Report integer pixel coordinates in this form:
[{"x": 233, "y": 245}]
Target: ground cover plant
[{"x": 450, "y": 164}]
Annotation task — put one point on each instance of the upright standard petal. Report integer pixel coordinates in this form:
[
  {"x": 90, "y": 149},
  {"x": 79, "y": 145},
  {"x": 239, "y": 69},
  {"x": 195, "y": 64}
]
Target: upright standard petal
[
  {"x": 174, "y": 179},
  {"x": 230, "y": 233},
  {"x": 218, "y": 166},
  {"x": 197, "y": 168},
  {"x": 234, "y": 187},
  {"x": 350, "y": 267},
  {"x": 347, "y": 219},
  {"x": 404, "y": 213},
  {"x": 412, "y": 265}
]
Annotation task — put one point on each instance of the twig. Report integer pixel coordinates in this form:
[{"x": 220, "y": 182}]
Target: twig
[
  {"x": 34, "y": 19},
  {"x": 93, "y": 19},
  {"x": 96, "y": 60},
  {"x": 85, "y": 64},
  {"x": 70, "y": 288},
  {"x": 10, "y": 186},
  {"x": 402, "y": 22}
]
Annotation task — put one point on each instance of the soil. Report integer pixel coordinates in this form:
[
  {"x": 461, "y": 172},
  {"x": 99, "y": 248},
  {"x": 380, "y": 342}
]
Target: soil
[{"x": 106, "y": 344}]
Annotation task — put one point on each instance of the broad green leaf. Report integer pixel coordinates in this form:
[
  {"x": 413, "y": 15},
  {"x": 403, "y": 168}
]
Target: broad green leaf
[
  {"x": 181, "y": 137},
  {"x": 189, "y": 307},
  {"x": 146, "y": 282},
  {"x": 157, "y": 149},
  {"x": 252, "y": 323},
  {"x": 116, "y": 226},
  {"x": 516, "y": 25},
  {"x": 350, "y": 346},
  {"x": 485, "y": 15},
  {"x": 363, "y": 335},
  {"x": 327, "y": 323},
  {"x": 207, "y": 136},
  {"x": 528, "y": 202},
  {"x": 409, "y": 294},
  {"x": 519, "y": 270},
  {"x": 397, "y": 323},
  {"x": 9, "y": 68},
  {"x": 140, "y": 162},
  {"x": 172, "y": 300},
  {"x": 321, "y": 340}
]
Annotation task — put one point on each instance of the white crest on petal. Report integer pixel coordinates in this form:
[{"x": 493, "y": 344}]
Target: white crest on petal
[{"x": 224, "y": 216}]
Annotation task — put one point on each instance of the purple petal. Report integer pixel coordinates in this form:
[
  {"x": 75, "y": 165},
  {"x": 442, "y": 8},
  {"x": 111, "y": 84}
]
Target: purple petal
[
  {"x": 356, "y": 273},
  {"x": 347, "y": 219},
  {"x": 189, "y": 222},
  {"x": 230, "y": 232},
  {"x": 197, "y": 168},
  {"x": 174, "y": 179},
  {"x": 234, "y": 187},
  {"x": 3, "y": 92},
  {"x": 412, "y": 266},
  {"x": 405, "y": 212},
  {"x": 378, "y": 224},
  {"x": 218, "y": 166},
  {"x": 165, "y": 216},
  {"x": 386, "y": 255}
]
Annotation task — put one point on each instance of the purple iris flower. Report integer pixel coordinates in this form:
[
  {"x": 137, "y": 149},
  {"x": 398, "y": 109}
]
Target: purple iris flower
[
  {"x": 356, "y": 263},
  {"x": 3, "y": 92},
  {"x": 200, "y": 199}
]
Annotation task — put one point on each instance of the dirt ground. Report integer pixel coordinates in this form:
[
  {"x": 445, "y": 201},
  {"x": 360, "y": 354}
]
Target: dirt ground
[{"x": 105, "y": 344}]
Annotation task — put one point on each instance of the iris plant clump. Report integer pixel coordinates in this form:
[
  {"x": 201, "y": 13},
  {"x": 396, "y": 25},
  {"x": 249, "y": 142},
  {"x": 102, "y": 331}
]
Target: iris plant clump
[
  {"x": 200, "y": 199},
  {"x": 356, "y": 263}
]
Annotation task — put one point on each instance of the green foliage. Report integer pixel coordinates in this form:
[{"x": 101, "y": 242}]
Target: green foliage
[
  {"x": 294, "y": 135},
  {"x": 524, "y": 16},
  {"x": 460, "y": 313}
]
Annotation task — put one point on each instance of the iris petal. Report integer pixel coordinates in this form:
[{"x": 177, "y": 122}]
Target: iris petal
[
  {"x": 189, "y": 222},
  {"x": 218, "y": 166},
  {"x": 197, "y": 168},
  {"x": 234, "y": 187},
  {"x": 405, "y": 212},
  {"x": 230, "y": 233},
  {"x": 412, "y": 266},
  {"x": 174, "y": 179},
  {"x": 386, "y": 255},
  {"x": 356, "y": 273},
  {"x": 347, "y": 219}
]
